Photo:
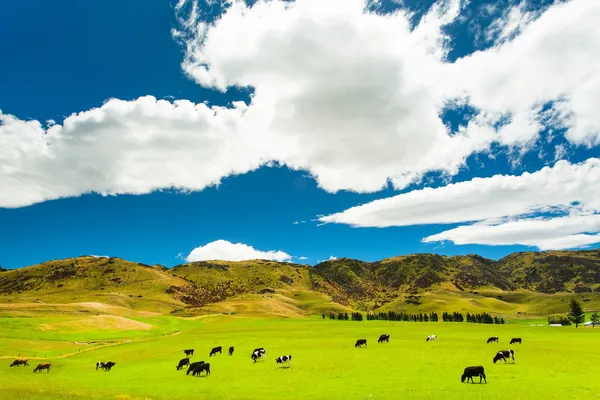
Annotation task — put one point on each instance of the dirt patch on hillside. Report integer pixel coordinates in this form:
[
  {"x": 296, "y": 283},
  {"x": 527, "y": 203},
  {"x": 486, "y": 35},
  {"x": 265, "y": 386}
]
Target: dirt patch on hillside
[{"x": 95, "y": 322}]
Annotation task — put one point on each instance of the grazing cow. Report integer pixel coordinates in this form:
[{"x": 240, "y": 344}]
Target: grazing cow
[
  {"x": 431, "y": 337},
  {"x": 41, "y": 367},
  {"x": 193, "y": 366},
  {"x": 284, "y": 359},
  {"x": 493, "y": 339},
  {"x": 189, "y": 352},
  {"x": 360, "y": 342},
  {"x": 231, "y": 351},
  {"x": 183, "y": 362},
  {"x": 470, "y": 372},
  {"x": 258, "y": 354},
  {"x": 202, "y": 367},
  {"x": 108, "y": 366},
  {"x": 99, "y": 364},
  {"x": 383, "y": 338},
  {"x": 503, "y": 355},
  {"x": 19, "y": 362},
  {"x": 515, "y": 340},
  {"x": 215, "y": 351}
]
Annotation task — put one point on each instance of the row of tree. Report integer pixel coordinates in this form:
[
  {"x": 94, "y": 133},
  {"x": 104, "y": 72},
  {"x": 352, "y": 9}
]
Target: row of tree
[{"x": 483, "y": 318}]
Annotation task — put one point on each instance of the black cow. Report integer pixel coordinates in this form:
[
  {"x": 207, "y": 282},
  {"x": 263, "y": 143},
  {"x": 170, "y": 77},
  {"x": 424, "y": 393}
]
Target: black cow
[
  {"x": 383, "y": 338},
  {"x": 503, "y": 355},
  {"x": 470, "y": 372},
  {"x": 193, "y": 366},
  {"x": 189, "y": 352},
  {"x": 360, "y": 342},
  {"x": 42, "y": 367},
  {"x": 183, "y": 362},
  {"x": 231, "y": 351},
  {"x": 493, "y": 339},
  {"x": 202, "y": 367},
  {"x": 515, "y": 340},
  {"x": 19, "y": 362},
  {"x": 284, "y": 359},
  {"x": 215, "y": 351},
  {"x": 108, "y": 365},
  {"x": 258, "y": 353}
]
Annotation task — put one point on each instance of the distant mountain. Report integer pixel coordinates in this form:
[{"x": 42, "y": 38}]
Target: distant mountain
[{"x": 394, "y": 283}]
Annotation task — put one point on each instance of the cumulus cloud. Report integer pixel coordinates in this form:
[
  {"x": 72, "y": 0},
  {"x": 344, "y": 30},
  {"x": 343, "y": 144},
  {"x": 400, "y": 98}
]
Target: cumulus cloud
[
  {"x": 503, "y": 206},
  {"x": 351, "y": 96},
  {"x": 227, "y": 251}
]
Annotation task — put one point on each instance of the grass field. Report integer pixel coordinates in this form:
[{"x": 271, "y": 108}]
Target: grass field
[{"x": 552, "y": 363}]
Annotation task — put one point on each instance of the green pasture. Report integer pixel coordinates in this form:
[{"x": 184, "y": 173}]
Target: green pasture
[{"x": 551, "y": 363}]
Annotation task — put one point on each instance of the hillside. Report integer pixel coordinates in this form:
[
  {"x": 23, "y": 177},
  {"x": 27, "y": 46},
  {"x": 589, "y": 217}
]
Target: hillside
[{"x": 527, "y": 282}]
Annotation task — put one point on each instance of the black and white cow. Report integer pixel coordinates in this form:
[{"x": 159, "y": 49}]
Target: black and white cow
[
  {"x": 383, "y": 338},
  {"x": 189, "y": 352},
  {"x": 183, "y": 362},
  {"x": 258, "y": 353},
  {"x": 470, "y": 372},
  {"x": 216, "y": 350},
  {"x": 192, "y": 367},
  {"x": 515, "y": 340},
  {"x": 231, "y": 351},
  {"x": 284, "y": 359},
  {"x": 503, "y": 355},
  {"x": 99, "y": 364},
  {"x": 108, "y": 366},
  {"x": 493, "y": 339},
  {"x": 360, "y": 342},
  {"x": 431, "y": 337}
]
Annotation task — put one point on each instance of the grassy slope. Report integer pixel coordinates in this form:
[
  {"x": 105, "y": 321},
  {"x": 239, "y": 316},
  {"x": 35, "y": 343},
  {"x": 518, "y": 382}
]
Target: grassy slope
[
  {"x": 325, "y": 362},
  {"x": 110, "y": 281}
]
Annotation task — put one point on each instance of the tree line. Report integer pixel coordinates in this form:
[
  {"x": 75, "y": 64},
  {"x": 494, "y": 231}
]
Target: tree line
[{"x": 483, "y": 318}]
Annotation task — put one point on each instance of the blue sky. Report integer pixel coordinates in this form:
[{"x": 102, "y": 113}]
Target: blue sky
[{"x": 379, "y": 104}]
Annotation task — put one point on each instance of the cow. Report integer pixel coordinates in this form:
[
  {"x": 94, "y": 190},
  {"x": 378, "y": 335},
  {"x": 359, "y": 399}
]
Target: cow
[
  {"x": 284, "y": 359},
  {"x": 189, "y": 352},
  {"x": 108, "y": 366},
  {"x": 41, "y": 367},
  {"x": 360, "y": 342},
  {"x": 503, "y": 355},
  {"x": 183, "y": 362},
  {"x": 192, "y": 367},
  {"x": 431, "y": 337},
  {"x": 258, "y": 354},
  {"x": 99, "y": 364},
  {"x": 202, "y": 367},
  {"x": 470, "y": 372},
  {"x": 383, "y": 338},
  {"x": 231, "y": 351},
  {"x": 215, "y": 351},
  {"x": 19, "y": 362},
  {"x": 493, "y": 339},
  {"x": 515, "y": 340}
]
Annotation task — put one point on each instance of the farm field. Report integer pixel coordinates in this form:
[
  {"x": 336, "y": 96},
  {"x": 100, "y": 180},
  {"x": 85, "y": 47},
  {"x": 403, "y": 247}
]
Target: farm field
[{"x": 551, "y": 363}]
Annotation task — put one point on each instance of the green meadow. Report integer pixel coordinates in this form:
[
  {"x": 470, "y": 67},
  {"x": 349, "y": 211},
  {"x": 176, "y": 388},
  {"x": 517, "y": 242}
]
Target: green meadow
[{"x": 551, "y": 363}]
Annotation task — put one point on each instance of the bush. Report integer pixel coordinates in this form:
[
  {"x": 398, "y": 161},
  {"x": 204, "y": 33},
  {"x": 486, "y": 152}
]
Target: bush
[{"x": 559, "y": 319}]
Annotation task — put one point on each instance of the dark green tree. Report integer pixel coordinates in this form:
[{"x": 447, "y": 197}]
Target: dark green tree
[
  {"x": 595, "y": 318},
  {"x": 576, "y": 314}
]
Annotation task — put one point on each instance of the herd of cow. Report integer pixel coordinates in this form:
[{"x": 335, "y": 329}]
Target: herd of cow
[
  {"x": 196, "y": 368},
  {"x": 469, "y": 372}
]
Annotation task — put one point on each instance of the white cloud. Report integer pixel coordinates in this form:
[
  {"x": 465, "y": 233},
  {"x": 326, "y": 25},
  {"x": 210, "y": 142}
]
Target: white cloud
[
  {"x": 501, "y": 205},
  {"x": 227, "y": 251},
  {"x": 483, "y": 198},
  {"x": 332, "y": 258},
  {"x": 543, "y": 233},
  {"x": 352, "y": 97},
  {"x": 302, "y": 258}
]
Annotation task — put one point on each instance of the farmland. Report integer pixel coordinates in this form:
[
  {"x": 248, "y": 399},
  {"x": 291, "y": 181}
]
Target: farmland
[{"x": 551, "y": 363}]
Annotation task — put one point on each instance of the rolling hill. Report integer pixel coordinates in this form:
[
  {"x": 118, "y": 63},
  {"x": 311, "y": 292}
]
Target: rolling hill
[{"x": 526, "y": 283}]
